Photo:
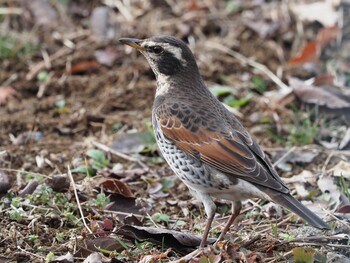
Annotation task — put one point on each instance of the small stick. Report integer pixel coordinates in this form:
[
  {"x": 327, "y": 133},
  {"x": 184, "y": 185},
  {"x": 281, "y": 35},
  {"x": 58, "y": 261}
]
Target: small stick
[
  {"x": 214, "y": 45},
  {"x": 119, "y": 154},
  {"x": 42, "y": 64},
  {"x": 77, "y": 199},
  {"x": 284, "y": 156}
]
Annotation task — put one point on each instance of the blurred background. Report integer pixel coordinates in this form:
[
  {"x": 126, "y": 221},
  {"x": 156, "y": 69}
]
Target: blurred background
[{"x": 71, "y": 95}]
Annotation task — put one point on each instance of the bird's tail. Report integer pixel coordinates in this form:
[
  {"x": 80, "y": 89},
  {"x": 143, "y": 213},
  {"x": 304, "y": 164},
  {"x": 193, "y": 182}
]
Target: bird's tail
[{"x": 289, "y": 202}]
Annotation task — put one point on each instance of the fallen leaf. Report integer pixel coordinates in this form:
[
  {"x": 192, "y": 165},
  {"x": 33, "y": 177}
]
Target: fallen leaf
[
  {"x": 67, "y": 258},
  {"x": 132, "y": 220},
  {"x": 310, "y": 54},
  {"x": 134, "y": 142},
  {"x": 29, "y": 189},
  {"x": 106, "y": 243},
  {"x": 27, "y": 137},
  {"x": 298, "y": 156},
  {"x": 126, "y": 205},
  {"x": 328, "y": 35},
  {"x": 345, "y": 209},
  {"x": 341, "y": 169},
  {"x": 303, "y": 177},
  {"x": 101, "y": 228},
  {"x": 59, "y": 183},
  {"x": 7, "y": 94},
  {"x": 345, "y": 142},
  {"x": 82, "y": 67},
  {"x": 115, "y": 186},
  {"x": 324, "y": 80},
  {"x": 155, "y": 257},
  {"x": 321, "y": 11},
  {"x": 336, "y": 257},
  {"x": 179, "y": 241},
  {"x": 327, "y": 185},
  {"x": 317, "y": 96},
  {"x": 93, "y": 258}
]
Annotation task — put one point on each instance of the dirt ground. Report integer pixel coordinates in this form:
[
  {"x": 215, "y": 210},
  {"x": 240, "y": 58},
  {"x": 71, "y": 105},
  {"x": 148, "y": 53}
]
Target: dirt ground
[{"x": 75, "y": 100}]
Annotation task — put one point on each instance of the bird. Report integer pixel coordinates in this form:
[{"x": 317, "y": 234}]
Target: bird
[{"x": 205, "y": 145}]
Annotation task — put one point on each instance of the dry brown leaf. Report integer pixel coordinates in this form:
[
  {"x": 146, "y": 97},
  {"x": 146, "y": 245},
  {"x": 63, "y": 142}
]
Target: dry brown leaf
[
  {"x": 155, "y": 257},
  {"x": 303, "y": 177},
  {"x": 318, "y": 96},
  {"x": 115, "y": 186},
  {"x": 107, "y": 243},
  {"x": 59, "y": 183},
  {"x": 67, "y": 258},
  {"x": 182, "y": 242},
  {"x": 341, "y": 169},
  {"x": 309, "y": 54}
]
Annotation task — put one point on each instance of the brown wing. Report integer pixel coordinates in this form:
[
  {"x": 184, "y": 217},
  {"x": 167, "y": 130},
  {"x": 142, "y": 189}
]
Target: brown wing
[{"x": 224, "y": 145}]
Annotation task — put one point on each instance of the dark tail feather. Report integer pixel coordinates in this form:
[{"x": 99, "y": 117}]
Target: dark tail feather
[{"x": 289, "y": 202}]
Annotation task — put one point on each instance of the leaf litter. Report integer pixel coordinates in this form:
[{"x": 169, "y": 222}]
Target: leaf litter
[{"x": 77, "y": 98}]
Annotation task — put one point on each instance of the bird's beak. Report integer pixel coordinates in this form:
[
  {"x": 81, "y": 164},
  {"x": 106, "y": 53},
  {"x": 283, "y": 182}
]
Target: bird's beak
[{"x": 132, "y": 42}]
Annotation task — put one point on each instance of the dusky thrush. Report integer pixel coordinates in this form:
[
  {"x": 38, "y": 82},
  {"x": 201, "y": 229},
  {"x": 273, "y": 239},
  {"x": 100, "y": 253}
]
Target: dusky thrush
[{"x": 204, "y": 144}]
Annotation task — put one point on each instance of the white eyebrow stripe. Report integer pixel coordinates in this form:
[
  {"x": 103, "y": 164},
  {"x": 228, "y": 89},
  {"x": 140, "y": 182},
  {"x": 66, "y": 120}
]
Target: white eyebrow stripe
[{"x": 176, "y": 51}]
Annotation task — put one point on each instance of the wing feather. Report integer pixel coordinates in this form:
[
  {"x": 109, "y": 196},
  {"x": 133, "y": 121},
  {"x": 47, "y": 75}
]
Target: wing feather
[{"x": 234, "y": 152}]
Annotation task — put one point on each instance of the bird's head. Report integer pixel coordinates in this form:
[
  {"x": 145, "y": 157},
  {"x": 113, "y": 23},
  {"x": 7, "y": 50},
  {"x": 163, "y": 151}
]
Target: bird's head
[{"x": 167, "y": 55}]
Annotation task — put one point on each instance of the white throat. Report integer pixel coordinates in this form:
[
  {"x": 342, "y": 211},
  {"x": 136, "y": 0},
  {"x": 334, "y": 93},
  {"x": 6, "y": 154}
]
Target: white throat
[{"x": 163, "y": 84}]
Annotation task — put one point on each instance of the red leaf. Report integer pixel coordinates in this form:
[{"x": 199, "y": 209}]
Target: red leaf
[
  {"x": 82, "y": 67},
  {"x": 327, "y": 35},
  {"x": 345, "y": 209},
  {"x": 324, "y": 80},
  {"x": 310, "y": 53},
  {"x": 115, "y": 186}
]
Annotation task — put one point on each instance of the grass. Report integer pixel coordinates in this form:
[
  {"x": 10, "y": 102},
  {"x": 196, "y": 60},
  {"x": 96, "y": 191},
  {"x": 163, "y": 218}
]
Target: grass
[
  {"x": 303, "y": 129},
  {"x": 17, "y": 48}
]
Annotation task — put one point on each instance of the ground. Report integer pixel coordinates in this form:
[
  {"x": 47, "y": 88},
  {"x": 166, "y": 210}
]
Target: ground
[{"x": 79, "y": 168}]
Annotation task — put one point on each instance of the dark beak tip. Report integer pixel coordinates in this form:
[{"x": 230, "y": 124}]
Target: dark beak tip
[{"x": 126, "y": 40}]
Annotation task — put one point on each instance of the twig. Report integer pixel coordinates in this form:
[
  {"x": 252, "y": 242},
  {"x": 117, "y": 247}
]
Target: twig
[
  {"x": 77, "y": 199},
  {"x": 324, "y": 167},
  {"x": 214, "y": 45},
  {"x": 42, "y": 64},
  {"x": 284, "y": 156},
  {"x": 59, "y": 53},
  {"x": 11, "y": 79},
  {"x": 250, "y": 241},
  {"x": 119, "y": 154},
  {"x": 29, "y": 253},
  {"x": 10, "y": 11}
]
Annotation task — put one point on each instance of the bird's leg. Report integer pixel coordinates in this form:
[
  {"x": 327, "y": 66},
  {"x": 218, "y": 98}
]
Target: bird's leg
[
  {"x": 206, "y": 231},
  {"x": 236, "y": 210},
  {"x": 210, "y": 209}
]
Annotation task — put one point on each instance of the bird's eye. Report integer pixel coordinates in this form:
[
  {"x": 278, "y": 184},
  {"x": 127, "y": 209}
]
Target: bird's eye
[{"x": 157, "y": 50}]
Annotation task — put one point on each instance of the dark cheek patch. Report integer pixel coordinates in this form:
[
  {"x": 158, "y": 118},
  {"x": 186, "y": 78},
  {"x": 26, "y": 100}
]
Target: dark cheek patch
[{"x": 169, "y": 65}]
